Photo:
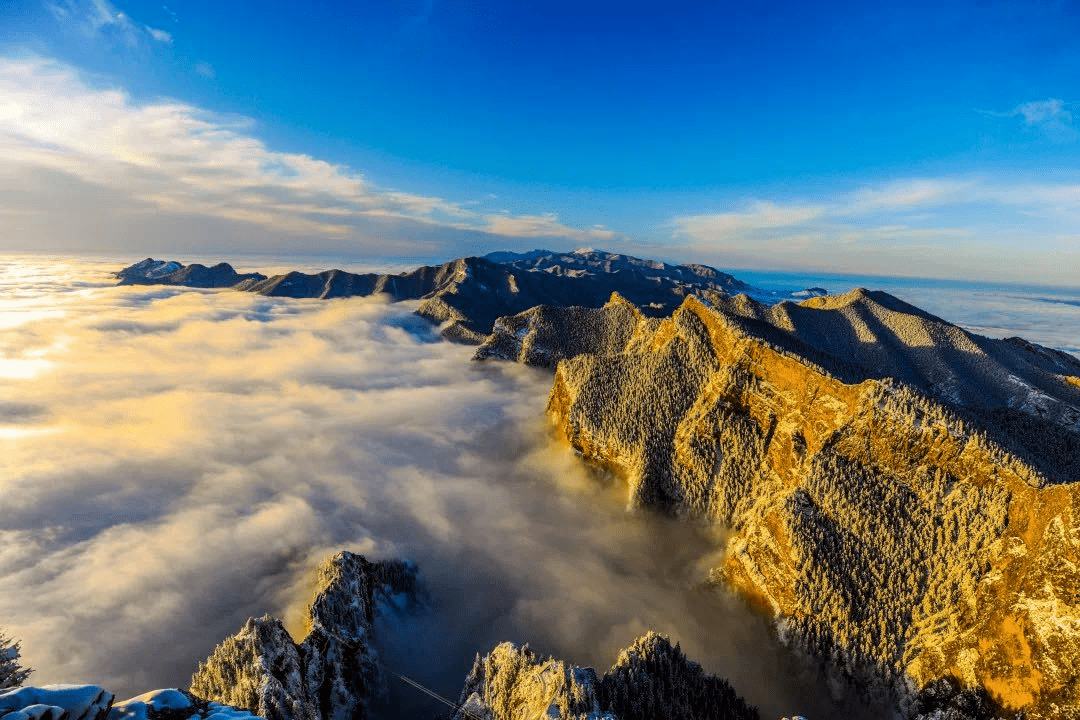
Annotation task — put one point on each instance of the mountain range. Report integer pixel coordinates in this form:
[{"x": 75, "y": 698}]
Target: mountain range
[
  {"x": 901, "y": 493},
  {"x": 467, "y": 295}
]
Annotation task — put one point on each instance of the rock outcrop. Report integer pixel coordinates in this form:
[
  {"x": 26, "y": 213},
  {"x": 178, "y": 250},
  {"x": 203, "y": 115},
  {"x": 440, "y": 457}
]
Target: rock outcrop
[
  {"x": 902, "y": 494},
  {"x": 650, "y": 679},
  {"x": 333, "y": 673}
]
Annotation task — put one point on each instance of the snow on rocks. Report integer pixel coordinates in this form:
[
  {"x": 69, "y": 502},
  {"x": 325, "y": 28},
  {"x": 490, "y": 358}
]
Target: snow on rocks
[
  {"x": 56, "y": 702},
  {"x": 173, "y": 704}
]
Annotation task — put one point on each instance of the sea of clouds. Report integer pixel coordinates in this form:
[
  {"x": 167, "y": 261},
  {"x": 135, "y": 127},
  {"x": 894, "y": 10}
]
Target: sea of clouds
[{"x": 174, "y": 461}]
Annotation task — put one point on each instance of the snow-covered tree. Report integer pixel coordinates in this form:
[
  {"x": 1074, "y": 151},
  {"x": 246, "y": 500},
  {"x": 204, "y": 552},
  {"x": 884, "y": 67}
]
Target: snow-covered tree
[{"x": 12, "y": 674}]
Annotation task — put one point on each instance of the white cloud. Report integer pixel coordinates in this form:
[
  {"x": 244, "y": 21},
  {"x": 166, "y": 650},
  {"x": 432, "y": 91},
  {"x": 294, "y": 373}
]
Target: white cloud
[
  {"x": 541, "y": 226},
  {"x": 758, "y": 216},
  {"x": 160, "y": 35},
  {"x": 92, "y": 17},
  {"x": 206, "y": 70},
  {"x": 975, "y": 227},
  {"x": 907, "y": 194},
  {"x": 1049, "y": 117},
  {"x": 139, "y": 160}
]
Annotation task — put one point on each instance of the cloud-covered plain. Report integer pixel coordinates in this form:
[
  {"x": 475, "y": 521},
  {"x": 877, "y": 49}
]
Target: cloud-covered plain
[
  {"x": 971, "y": 228},
  {"x": 91, "y": 168},
  {"x": 174, "y": 461}
]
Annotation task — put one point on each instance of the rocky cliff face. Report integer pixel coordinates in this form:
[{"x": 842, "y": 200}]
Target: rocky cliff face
[
  {"x": 886, "y": 504},
  {"x": 333, "y": 673},
  {"x": 650, "y": 679}
]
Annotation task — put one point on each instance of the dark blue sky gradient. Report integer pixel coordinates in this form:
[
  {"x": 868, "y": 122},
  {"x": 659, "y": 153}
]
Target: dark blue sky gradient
[{"x": 610, "y": 95}]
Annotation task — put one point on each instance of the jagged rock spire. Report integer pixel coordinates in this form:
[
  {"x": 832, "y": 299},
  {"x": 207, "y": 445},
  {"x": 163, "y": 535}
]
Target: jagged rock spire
[{"x": 334, "y": 672}]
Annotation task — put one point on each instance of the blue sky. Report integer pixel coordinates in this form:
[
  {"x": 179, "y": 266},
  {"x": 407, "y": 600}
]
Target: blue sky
[{"x": 842, "y": 137}]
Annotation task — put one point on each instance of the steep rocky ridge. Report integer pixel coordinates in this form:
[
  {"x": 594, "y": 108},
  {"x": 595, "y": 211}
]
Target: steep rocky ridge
[
  {"x": 333, "y": 673},
  {"x": 650, "y": 679},
  {"x": 882, "y": 507}
]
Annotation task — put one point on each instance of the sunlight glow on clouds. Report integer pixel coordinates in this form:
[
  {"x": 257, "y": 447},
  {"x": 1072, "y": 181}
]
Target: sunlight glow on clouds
[{"x": 132, "y": 162}]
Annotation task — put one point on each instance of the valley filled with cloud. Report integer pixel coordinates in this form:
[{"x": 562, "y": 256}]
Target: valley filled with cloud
[{"x": 174, "y": 461}]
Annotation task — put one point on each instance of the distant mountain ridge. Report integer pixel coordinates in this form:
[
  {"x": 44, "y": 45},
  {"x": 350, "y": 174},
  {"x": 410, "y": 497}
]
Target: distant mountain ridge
[{"x": 467, "y": 295}]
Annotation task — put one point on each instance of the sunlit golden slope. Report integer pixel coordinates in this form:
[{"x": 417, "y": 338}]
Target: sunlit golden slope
[{"x": 907, "y": 537}]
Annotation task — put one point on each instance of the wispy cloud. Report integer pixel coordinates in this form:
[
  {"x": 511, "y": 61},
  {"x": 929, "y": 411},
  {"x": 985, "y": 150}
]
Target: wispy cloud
[
  {"x": 100, "y": 17},
  {"x": 1050, "y": 117},
  {"x": 757, "y": 216},
  {"x": 948, "y": 226},
  {"x": 206, "y": 70},
  {"x": 145, "y": 159},
  {"x": 544, "y": 226},
  {"x": 91, "y": 17},
  {"x": 160, "y": 35}
]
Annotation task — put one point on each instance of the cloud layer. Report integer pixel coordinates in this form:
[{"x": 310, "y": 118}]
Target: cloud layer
[
  {"x": 172, "y": 462},
  {"x": 85, "y": 167}
]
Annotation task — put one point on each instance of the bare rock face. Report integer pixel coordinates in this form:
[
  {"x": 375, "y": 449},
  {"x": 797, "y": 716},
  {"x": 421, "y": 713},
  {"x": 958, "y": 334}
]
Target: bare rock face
[
  {"x": 650, "y": 679},
  {"x": 333, "y": 673},
  {"x": 902, "y": 494}
]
